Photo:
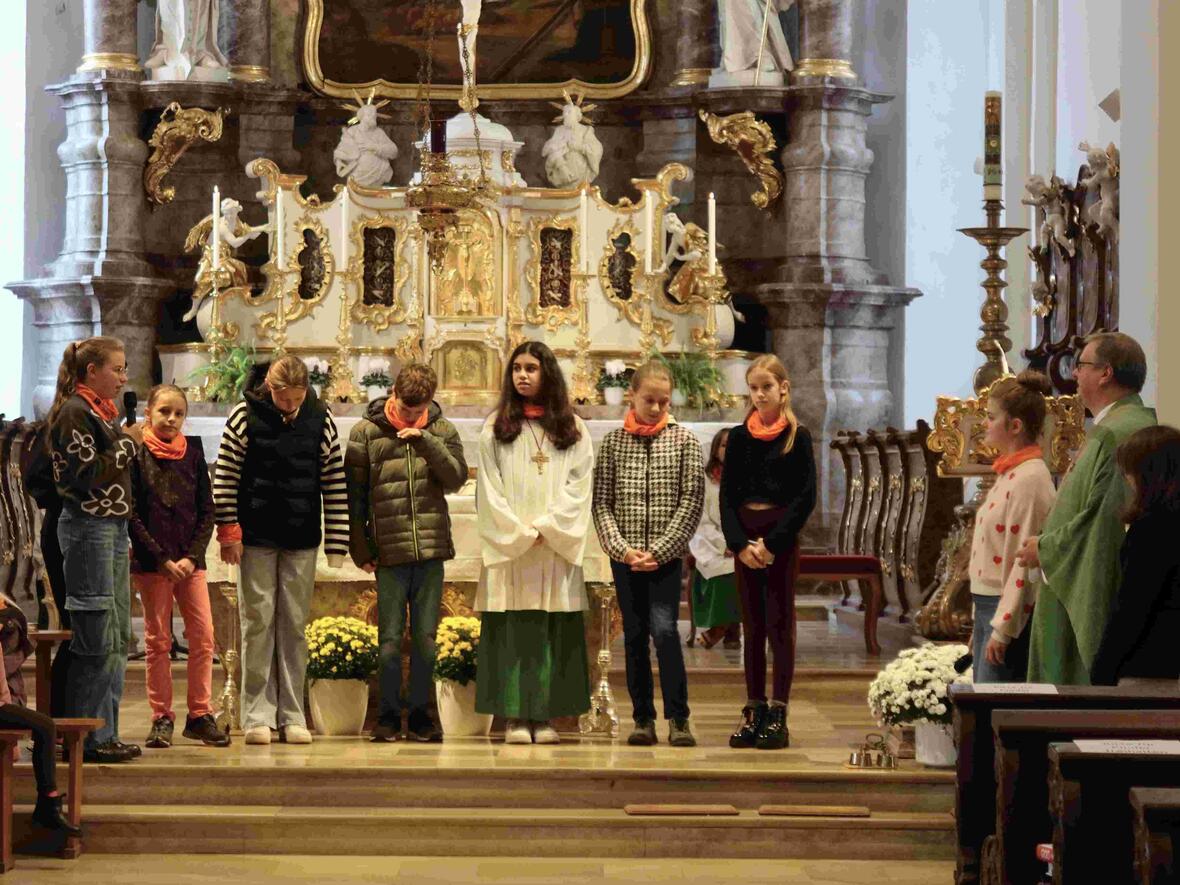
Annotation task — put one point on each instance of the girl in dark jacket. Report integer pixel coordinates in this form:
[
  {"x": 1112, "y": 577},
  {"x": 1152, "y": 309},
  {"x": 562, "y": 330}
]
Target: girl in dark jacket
[{"x": 1140, "y": 637}]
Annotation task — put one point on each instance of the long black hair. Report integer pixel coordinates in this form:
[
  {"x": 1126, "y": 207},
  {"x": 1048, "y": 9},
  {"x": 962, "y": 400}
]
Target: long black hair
[{"x": 558, "y": 420}]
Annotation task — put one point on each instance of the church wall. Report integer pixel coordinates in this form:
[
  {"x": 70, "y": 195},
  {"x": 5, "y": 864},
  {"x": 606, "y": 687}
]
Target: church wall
[
  {"x": 1089, "y": 38},
  {"x": 12, "y": 146}
]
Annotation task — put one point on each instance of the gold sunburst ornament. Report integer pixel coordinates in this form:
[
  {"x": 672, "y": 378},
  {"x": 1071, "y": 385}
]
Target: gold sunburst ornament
[
  {"x": 362, "y": 104},
  {"x": 575, "y": 100}
]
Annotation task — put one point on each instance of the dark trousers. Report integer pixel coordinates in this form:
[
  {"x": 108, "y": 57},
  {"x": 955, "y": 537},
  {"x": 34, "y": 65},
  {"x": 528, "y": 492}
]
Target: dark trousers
[
  {"x": 44, "y": 737},
  {"x": 650, "y": 604},
  {"x": 768, "y": 611},
  {"x": 51, "y": 552}
]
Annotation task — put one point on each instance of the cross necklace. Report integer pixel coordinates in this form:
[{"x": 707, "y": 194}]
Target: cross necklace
[{"x": 539, "y": 458}]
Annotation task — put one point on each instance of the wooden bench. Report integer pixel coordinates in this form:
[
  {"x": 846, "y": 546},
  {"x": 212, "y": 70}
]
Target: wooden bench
[
  {"x": 1156, "y": 815},
  {"x": 1022, "y": 739},
  {"x": 1089, "y": 802},
  {"x": 9, "y": 738},
  {"x": 975, "y": 774},
  {"x": 44, "y": 641}
]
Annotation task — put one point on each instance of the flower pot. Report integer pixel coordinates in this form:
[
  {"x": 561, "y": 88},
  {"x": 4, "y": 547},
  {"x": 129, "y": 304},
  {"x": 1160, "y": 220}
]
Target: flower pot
[
  {"x": 456, "y": 710},
  {"x": 678, "y": 397},
  {"x": 377, "y": 391},
  {"x": 613, "y": 396},
  {"x": 934, "y": 745},
  {"x": 338, "y": 706}
]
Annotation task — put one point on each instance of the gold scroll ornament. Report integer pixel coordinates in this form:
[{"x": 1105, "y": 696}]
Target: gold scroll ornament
[
  {"x": 178, "y": 130},
  {"x": 754, "y": 142}
]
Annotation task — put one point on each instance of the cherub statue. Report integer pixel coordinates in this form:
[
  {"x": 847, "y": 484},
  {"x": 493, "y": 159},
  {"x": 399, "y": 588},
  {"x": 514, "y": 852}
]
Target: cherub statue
[
  {"x": 231, "y": 272},
  {"x": 1104, "y": 176},
  {"x": 365, "y": 150},
  {"x": 573, "y": 153},
  {"x": 185, "y": 46},
  {"x": 1049, "y": 196},
  {"x": 689, "y": 243}
]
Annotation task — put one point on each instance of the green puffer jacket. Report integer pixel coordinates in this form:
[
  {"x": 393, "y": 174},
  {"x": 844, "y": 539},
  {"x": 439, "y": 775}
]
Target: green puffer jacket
[{"x": 396, "y": 505}]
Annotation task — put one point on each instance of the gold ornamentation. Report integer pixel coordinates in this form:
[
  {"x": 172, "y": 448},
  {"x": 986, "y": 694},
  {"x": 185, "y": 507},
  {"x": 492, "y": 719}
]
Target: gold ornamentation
[
  {"x": 1068, "y": 418},
  {"x": 178, "y": 130},
  {"x": 380, "y": 317},
  {"x": 439, "y": 197},
  {"x": 839, "y": 68},
  {"x": 249, "y": 73},
  {"x": 231, "y": 276},
  {"x": 508, "y": 161},
  {"x": 109, "y": 61},
  {"x": 343, "y": 385},
  {"x": 611, "y": 267},
  {"x": 513, "y": 233},
  {"x": 691, "y": 76},
  {"x": 300, "y": 307},
  {"x": 566, "y": 309},
  {"x": 468, "y": 371},
  {"x": 753, "y": 142},
  {"x": 466, "y": 286}
]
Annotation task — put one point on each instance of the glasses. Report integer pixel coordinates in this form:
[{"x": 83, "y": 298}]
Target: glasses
[{"x": 1077, "y": 365}]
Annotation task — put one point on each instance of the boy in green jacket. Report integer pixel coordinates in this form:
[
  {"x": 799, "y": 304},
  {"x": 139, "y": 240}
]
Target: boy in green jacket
[{"x": 403, "y": 457}]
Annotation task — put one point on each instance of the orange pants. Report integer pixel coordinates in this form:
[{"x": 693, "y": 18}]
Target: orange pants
[{"x": 157, "y": 592}]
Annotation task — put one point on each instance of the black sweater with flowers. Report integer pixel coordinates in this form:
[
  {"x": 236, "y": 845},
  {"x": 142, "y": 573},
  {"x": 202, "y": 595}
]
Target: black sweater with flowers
[{"x": 91, "y": 461}]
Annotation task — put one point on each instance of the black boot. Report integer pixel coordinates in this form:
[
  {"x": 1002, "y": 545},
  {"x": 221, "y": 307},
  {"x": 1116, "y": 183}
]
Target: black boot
[
  {"x": 751, "y": 724},
  {"x": 773, "y": 734},
  {"x": 47, "y": 814}
]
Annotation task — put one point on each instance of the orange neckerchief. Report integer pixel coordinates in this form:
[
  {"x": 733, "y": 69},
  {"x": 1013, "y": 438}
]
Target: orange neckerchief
[
  {"x": 761, "y": 431},
  {"x": 715, "y": 474},
  {"x": 394, "y": 417},
  {"x": 104, "y": 408},
  {"x": 635, "y": 427},
  {"x": 534, "y": 411},
  {"x": 1007, "y": 462},
  {"x": 165, "y": 451}
]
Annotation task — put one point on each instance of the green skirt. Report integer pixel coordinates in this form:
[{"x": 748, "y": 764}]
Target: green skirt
[
  {"x": 532, "y": 665},
  {"x": 715, "y": 601}
]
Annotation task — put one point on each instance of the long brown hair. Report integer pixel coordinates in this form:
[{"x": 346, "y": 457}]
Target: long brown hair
[
  {"x": 768, "y": 362},
  {"x": 1023, "y": 397},
  {"x": 1151, "y": 458},
  {"x": 714, "y": 464},
  {"x": 72, "y": 371},
  {"x": 558, "y": 422}
]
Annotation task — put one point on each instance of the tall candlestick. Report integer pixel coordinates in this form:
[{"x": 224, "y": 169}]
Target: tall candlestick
[
  {"x": 344, "y": 230},
  {"x": 648, "y": 226},
  {"x": 993, "y": 172},
  {"x": 584, "y": 227},
  {"x": 216, "y": 233},
  {"x": 712, "y": 234},
  {"x": 280, "y": 237}
]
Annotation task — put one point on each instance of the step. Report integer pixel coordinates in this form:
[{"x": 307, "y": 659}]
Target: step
[{"x": 502, "y": 832}]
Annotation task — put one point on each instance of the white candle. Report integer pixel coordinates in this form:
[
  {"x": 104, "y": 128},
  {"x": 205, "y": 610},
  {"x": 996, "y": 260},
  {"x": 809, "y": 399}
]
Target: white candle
[
  {"x": 584, "y": 226},
  {"x": 279, "y": 235},
  {"x": 216, "y": 233},
  {"x": 712, "y": 234},
  {"x": 344, "y": 230},
  {"x": 648, "y": 226}
]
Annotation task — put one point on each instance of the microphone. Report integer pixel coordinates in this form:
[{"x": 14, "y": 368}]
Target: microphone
[
  {"x": 130, "y": 401},
  {"x": 964, "y": 662}
]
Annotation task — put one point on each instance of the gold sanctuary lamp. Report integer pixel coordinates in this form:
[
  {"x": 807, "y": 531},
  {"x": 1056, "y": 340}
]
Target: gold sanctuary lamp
[{"x": 602, "y": 719}]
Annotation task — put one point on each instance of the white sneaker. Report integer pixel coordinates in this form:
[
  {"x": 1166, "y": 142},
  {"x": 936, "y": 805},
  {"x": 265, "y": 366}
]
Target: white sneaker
[
  {"x": 517, "y": 732},
  {"x": 259, "y": 734},
  {"x": 296, "y": 734},
  {"x": 544, "y": 733}
]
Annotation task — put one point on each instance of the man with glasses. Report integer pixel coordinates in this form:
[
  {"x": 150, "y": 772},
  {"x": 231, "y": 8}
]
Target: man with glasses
[{"x": 1078, "y": 549}]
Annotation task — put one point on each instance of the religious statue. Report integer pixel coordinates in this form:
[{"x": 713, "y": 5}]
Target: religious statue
[
  {"x": 232, "y": 233},
  {"x": 752, "y": 40},
  {"x": 573, "y": 153},
  {"x": 185, "y": 46},
  {"x": 365, "y": 151},
  {"x": 468, "y": 30},
  {"x": 1103, "y": 177},
  {"x": 1050, "y": 197},
  {"x": 689, "y": 244},
  {"x": 466, "y": 280}
]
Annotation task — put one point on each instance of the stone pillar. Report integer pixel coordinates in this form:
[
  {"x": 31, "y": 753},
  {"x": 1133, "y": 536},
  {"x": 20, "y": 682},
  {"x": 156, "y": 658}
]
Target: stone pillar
[
  {"x": 244, "y": 31},
  {"x": 825, "y": 39},
  {"x": 696, "y": 39},
  {"x": 109, "y": 36}
]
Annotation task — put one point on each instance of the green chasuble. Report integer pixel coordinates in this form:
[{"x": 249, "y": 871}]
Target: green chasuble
[{"x": 1079, "y": 552}]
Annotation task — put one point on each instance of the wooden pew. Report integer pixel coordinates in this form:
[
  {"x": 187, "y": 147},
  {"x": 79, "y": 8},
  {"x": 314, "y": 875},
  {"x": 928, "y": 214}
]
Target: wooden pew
[
  {"x": 1022, "y": 739},
  {"x": 43, "y": 642},
  {"x": 9, "y": 738},
  {"x": 1089, "y": 802},
  {"x": 975, "y": 776},
  {"x": 1156, "y": 815}
]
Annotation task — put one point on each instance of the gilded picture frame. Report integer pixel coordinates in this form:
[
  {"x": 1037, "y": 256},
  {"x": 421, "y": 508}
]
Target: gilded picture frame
[
  {"x": 297, "y": 308},
  {"x": 552, "y": 316},
  {"x": 474, "y": 256},
  {"x": 380, "y": 317}
]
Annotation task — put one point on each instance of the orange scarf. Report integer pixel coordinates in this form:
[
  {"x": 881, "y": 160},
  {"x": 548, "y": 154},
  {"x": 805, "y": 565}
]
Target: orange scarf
[
  {"x": 635, "y": 427},
  {"x": 764, "y": 432},
  {"x": 104, "y": 408},
  {"x": 534, "y": 411},
  {"x": 1006, "y": 462},
  {"x": 165, "y": 451},
  {"x": 394, "y": 417}
]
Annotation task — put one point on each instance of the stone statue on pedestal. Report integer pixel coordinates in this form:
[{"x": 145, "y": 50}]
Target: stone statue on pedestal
[
  {"x": 231, "y": 272},
  {"x": 365, "y": 150},
  {"x": 186, "y": 42},
  {"x": 573, "y": 153},
  {"x": 750, "y": 28}
]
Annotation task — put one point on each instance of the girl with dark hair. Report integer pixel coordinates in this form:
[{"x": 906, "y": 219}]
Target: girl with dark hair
[
  {"x": 533, "y": 489},
  {"x": 1139, "y": 641},
  {"x": 715, "y": 607}
]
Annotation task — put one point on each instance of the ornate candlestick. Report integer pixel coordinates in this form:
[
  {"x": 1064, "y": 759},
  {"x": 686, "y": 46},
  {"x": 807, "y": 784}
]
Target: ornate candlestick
[
  {"x": 229, "y": 719},
  {"x": 602, "y": 718},
  {"x": 582, "y": 383}
]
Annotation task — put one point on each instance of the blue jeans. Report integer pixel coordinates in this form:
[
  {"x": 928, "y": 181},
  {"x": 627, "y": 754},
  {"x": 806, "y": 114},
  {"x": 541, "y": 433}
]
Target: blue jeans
[
  {"x": 650, "y": 605},
  {"x": 97, "y": 565},
  {"x": 418, "y": 586},
  {"x": 1015, "y": 666}
]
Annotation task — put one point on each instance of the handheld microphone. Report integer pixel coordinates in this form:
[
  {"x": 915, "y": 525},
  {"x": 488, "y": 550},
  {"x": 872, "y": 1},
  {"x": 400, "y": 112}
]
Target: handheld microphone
[
  {"x": 964, "y": 662},
  {"x": 130, "y": 401}
]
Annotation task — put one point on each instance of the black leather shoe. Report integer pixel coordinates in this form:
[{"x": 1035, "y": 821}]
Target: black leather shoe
[
  {"x": 751, "y": 724},
  {"x": 47, "y": 814},
  {"x": 204, "y": 729},
  {"x": 773, "y": 734},
  {"x": 421, "y": 728},
  {"x": 387, "y": 731},
  {"x": 134, "y": 749},
  {"x": 160, "y": 737},
  {"x": 109, "y": 752}
]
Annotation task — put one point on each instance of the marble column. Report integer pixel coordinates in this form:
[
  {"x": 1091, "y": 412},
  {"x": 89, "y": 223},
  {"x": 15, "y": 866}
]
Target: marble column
[
  {"x": 109, "y": 36},
  {"x": 696, "y": 38},
  {"x": 244, "y": 31},
  {"x": 825, "y": 38}
]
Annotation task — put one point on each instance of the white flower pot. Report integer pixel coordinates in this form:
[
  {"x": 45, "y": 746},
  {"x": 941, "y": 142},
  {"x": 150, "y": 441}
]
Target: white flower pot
[
  {"x": 338, "y": 706},
  {"x": 613, "y": 396},
  {"x": 678, "y": 397},
  {"x": 456, "y": 710},
  {"x": 934, "y": 745},
  {"x": 377, "y": 391}
]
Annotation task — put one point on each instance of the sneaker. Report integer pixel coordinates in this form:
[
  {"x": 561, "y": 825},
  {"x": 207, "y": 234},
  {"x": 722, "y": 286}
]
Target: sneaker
[
  {"x": 106, "y": 753},
  {"x": 773, "y": 735},
  {"x": 679, "y": 734},
  {"x": 545, "y": 733},
  {"x": 296, "y": 734},
  {"x": 204, "y": 729},
  {"x": 259, "y": 734},
  {"x": 751, "y": 724},
  {"x": 160, "y": 737},
  {"x": 516, "y": 731},
  {"x": 386, "y": 731},
  {"x": 644, "y": 734},
  {"x": 47, "y": 814},
  {"x": 421, "y": 728}
]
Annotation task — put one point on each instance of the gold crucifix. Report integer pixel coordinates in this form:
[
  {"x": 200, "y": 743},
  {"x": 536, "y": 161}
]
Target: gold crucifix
[{"x": 540, "y": 459}]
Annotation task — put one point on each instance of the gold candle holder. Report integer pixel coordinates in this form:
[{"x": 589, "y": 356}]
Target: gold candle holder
[{"x": 602, "y": 718}]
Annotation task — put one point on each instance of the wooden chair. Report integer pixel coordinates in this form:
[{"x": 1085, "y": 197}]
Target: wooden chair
[
  {"x": 9, "y": 738},
  {"x": 43, "y": 642},
  {"x": 1156, "y": 815},
  {"x": 852, "y": 567}
]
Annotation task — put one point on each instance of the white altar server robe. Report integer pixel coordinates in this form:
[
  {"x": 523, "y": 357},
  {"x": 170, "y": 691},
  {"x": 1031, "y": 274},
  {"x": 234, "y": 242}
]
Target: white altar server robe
[
  {"x": 514, "y": 503},
  {"x": 708, "y": 544}
]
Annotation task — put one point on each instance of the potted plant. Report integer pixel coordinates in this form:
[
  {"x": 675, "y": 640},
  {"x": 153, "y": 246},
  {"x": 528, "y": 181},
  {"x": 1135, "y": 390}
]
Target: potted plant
[
  {"x": 613, "y": 380},
  {"x": 342, "y": 655},
  {"x": 696, "y": 380},
  {"x": 377, "y": 382},
  {"x": 913, "y": 690},
  {"x": 226, "y": 376},
  {"x": 318, "y": 376},
  {"x": 456, "y": 643}
]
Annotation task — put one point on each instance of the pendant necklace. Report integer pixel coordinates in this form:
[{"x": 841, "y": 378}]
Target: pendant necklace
[{"x": 540, "y": 458}]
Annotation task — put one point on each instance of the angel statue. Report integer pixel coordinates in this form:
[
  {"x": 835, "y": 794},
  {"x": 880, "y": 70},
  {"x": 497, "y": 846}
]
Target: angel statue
[
  {"x": 573, "y": 153},
  {"x": 1049, "y": 196},
  {"x": 1103, "y": 177},
  {"x": 231, "y": 272},
  {"x": 185, "y": 45},
  {"x": 752, "y": 38},
  {"x": 689, "y": 244},
  {"x": 365, "y": 150}
]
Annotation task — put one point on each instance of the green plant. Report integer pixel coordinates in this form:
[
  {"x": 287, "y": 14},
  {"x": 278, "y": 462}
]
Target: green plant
[
  {"x": 318, "y": 373},
  {"x": 227, "y": 374},
  {"x": 614, "y": 374},
  {"x": 694, "y": 375},
  {"x": 378, "y": 378},
  {"x": 455, "y": 649},
  {"x": 340, "y": 648}
]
